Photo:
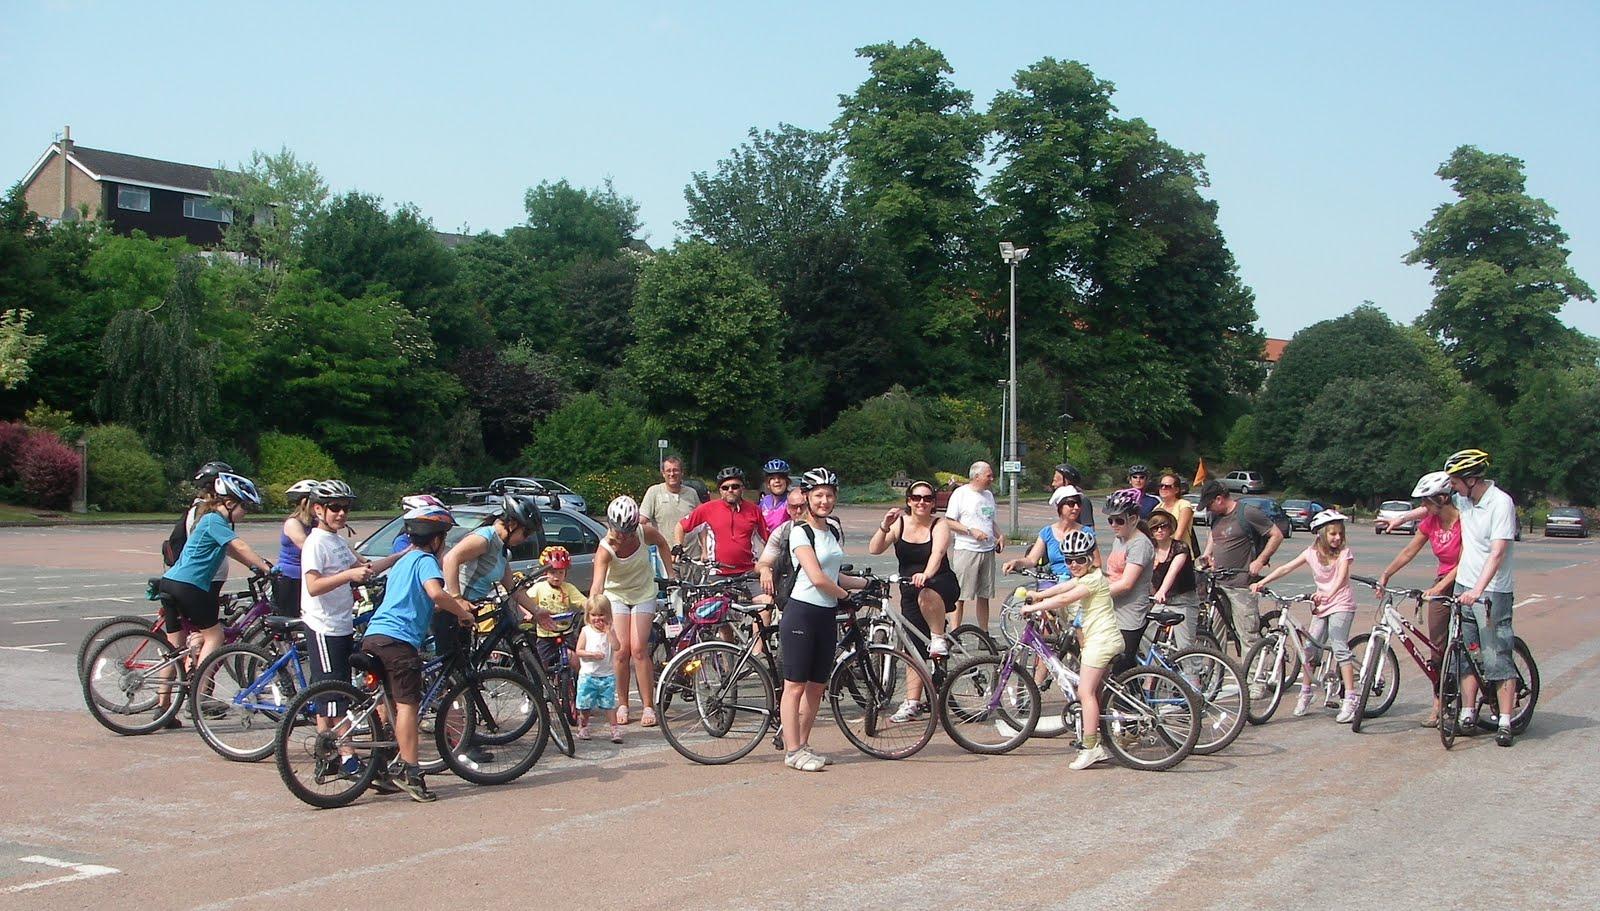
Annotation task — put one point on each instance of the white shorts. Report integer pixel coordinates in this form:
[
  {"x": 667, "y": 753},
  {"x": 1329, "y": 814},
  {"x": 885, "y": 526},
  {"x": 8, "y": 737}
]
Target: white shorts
[
  {"x": 975, "y": 570},
  {"x": 620, "y": 609}
]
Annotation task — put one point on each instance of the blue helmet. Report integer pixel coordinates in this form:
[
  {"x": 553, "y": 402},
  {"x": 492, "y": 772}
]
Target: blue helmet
[{"x": 776, "y": 466}]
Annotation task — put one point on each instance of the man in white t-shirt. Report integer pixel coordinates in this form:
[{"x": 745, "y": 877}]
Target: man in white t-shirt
[{"x": 976, "y": 540}]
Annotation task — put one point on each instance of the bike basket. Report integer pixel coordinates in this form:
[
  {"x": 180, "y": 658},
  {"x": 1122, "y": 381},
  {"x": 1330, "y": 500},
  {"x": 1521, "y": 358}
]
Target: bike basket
[{"x": 707, "y": 611}]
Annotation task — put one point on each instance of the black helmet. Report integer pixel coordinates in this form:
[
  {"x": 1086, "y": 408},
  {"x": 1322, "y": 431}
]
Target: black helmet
[
  {"x": 520, "y": 509},
  {"x": 1138, "y": 470},
  {"x": 206, "y": 477},
  {"x": 730, "y": 472},
  {"x": 1070, "y": 474}
]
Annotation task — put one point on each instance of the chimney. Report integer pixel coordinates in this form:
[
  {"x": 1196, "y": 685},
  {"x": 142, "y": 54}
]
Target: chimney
[{"x": 66, "y": 174}]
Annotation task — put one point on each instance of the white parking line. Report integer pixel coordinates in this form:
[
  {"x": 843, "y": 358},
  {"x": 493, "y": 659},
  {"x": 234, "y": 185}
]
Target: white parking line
[
  {"x": 36, "y": 649},
  {"x": 26, "y": 622},
  {"x": 79, "y": 871}
]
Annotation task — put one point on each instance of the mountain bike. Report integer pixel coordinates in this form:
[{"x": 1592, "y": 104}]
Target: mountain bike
[
  {"x": 231, "y": 606},
  {"x": 1150, "y": 719},
  {"x": 1276, "y": 659},
  {"x": 1460, "y": 660},
  {"x": 241, "y": 691},
  {"x": 1216, "y": 629},
  {"x": 890, "y": 627}
]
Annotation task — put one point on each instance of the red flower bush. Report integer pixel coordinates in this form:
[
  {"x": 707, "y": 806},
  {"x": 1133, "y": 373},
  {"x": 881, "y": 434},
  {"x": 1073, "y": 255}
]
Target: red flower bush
[
  {"x": 13, "y": 434},
  {"x": 47, "y": 470}
]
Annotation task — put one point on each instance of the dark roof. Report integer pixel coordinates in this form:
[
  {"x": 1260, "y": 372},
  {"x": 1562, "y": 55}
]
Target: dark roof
[
  {"x": 114, "y": 165},
  {"x": 452, "y": 239}
]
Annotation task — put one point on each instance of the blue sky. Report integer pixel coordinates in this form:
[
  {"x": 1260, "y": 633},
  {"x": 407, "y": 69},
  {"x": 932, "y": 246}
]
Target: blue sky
[{"x": 1321, "y": 127}]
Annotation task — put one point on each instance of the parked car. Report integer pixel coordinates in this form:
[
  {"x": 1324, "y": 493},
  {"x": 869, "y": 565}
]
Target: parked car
[
  {"x": 1201, "y": 516},
  {"x": 1566, "y": 520},
  {"x": 1244, "y": 482},
  {"x": 1273, "y": 511},
  {"x": 1301, "y": 511},
  {"x": 1391, "y": 510},
  {"x": 568, "y": 498},
  {"x": 573, "y": 530}
]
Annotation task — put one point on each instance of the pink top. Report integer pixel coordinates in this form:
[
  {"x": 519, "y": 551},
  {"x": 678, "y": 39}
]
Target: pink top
[
  {"x": 1446, "y": 544},
  {"x": 1338, "y": 599},
  {"x": 776, "y": 516}
]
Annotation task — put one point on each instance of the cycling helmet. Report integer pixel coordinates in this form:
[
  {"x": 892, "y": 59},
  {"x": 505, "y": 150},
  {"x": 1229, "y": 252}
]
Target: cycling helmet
[
  {"x": 239, "y": 488},
  {"x": 420, "y": 499},
  {"x": 1138, "y": 469},
  {"x": 331, "y": 491},
  {"x": 1469, "y": 463},
  {"x": 1432, "y": 484},
  {"x": 206, "y": 477},
  {"x": 776, "y": 466},
  {"x": 730, "y": 472},
  {"x": 623, "y": 513},
  {"x": 1122, "y": 503},
  {"x": 819, "y": 477},
  {"x": 1077, "y": 543},
  {"x": 300, "y": 490},
  {"x": 427, "y": 522},
  {"x": 1327, "y": 517},
  {"x": 1070, "y": 474},
  {"x": 556, "y": 557},
  {"x": 520, "y": 509},
  {"x": 1064, "y": 492}
]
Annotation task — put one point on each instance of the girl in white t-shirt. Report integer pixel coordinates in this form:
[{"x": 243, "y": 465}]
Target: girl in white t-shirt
[{"x": 597, "y": 674}]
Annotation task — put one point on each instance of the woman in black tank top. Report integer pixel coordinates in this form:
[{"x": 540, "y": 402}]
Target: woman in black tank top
[{"x": 931, "y": 589}]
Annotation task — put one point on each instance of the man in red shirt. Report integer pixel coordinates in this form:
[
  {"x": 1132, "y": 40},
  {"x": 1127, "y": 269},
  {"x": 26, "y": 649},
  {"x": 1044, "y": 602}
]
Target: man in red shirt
[{"x": 735, "y": 525}]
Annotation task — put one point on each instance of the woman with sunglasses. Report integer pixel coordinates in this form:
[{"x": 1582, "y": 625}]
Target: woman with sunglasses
[
  {"x": 1069, "y": 505},
  {"x": 928, "y": 588},
  {"x": 1171, "y": 489},
  {"x": 1440, "y": 528},
  {"x": 1172, "y": 577},
  {"x": 1129, "y": 568}
]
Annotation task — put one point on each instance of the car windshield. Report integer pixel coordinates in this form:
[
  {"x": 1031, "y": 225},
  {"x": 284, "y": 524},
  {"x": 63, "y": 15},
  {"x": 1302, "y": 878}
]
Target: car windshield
[
  {"x": 556, "y": 486},
  {"x": 1296, "y": 504},
  {"x": 1566, "y": 512},
  {"x": 1260, "y": 503},
  {"x": 1396, "y": 506}
]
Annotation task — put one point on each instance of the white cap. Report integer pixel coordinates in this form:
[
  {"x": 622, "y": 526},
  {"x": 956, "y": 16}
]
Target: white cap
[{"x": 1062, "y": 492}]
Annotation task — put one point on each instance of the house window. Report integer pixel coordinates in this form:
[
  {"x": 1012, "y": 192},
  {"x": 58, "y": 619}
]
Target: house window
[
  {"x": 197, "y": 207},
  {"x": 134, "y": 199}
]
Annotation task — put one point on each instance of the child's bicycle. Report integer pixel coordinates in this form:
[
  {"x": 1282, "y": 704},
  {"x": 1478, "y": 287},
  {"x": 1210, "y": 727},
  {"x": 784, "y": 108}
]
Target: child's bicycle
[
  {"x": 1150, "y": 719},
  {"x": 1275, "y": 659}
]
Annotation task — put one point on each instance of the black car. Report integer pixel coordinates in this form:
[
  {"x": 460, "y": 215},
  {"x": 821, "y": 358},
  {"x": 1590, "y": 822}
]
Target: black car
[
  {"x": 1274, "y": 512},
  {"x": 1566, "y": 520}
]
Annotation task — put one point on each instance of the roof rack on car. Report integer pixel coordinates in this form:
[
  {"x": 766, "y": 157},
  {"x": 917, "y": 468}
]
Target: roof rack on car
[{"x": 492, "y": 492}]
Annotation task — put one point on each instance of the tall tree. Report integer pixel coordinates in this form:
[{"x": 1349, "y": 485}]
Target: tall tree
[
  {"x": 1500, "y": 275},
  {"x": 272, "y": 198},
  {"x": 43, "y": 270}
]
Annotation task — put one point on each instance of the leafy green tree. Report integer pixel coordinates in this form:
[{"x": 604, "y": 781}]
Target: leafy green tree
[
  {"x": 1500, "y": 275},
  {"x": 273, "y": 198},
  {"x": 501, "y": 274},
  {"x": 706, "y": 350},
  {"x": 42, "y": 271},
  {"x": 589, "y": 435},
  {"x": 1330, "y": 355},
  {"x": 566, "y": 222},
  {"x": 510, "y": 396},
  {"x": 596, "y": 295},
  {"x": 1546, "y": 430},
  {"x": 17, "y": 347},
  {"x": 872, "y": 441},
  {"x": 1345, "y": 445}
]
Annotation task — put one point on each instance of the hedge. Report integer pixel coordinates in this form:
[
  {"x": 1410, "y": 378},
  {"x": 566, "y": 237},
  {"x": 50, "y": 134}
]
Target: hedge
[{"x": 123, "y": 475}]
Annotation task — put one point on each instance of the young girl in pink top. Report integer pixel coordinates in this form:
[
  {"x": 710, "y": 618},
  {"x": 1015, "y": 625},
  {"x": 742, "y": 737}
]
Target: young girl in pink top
[{"x": 1334, "y": 610}]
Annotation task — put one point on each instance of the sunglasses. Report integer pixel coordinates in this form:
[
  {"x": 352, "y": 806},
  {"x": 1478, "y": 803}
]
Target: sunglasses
[
  {"x": 1079, "y": 561},
  {"x": 1075, "y": 504},
  {"x": 1169, "y": 487},
  {"x": 1117, "y": 521},
  {"x": 1138, "y": 477},
  {"x": 732, "y": 487},
  {"x": 336, "y": 507},
  {"x": 920, "y": 498},
  {"x": 1161, "y": 526}
]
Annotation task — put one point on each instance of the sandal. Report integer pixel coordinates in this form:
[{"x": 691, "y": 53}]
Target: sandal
[
  {"x": 1432, "y": 721},
  {"x": 648, "y": 719},
  {"x": 622, "y": 714}
]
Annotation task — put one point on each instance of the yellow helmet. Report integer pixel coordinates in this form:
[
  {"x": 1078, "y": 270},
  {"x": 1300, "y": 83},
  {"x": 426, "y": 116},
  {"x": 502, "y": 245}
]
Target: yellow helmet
[{"x": 1468, "y": 462}]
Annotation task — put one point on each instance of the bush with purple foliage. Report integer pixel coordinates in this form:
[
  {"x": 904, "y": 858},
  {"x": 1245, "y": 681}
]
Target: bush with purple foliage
[{"x": 47, "y": 470}]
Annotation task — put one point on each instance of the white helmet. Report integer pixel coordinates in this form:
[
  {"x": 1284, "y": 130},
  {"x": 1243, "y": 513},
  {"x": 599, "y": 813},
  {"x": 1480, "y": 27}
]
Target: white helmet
[
  {"x": 1327, "y": 517},
  {"x": 1432, "y": 484},
  {"x": 1062, "y": 492},
  {"x": 623, "y": 513},
  {"x": 300, "y": 490},
  {"x": 416, "y": 501}
]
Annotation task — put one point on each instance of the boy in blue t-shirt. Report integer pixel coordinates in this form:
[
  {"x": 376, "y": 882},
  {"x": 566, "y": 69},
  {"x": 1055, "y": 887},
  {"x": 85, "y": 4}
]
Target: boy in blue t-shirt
[{"x": 400, "y": 624}]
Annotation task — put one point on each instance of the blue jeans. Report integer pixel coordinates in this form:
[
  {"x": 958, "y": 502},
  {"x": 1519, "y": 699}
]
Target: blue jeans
[{"x": 1489, "y": 631}]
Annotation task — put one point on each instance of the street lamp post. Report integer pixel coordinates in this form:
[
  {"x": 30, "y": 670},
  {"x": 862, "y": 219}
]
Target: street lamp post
[{"x": 1011, "y": 254}]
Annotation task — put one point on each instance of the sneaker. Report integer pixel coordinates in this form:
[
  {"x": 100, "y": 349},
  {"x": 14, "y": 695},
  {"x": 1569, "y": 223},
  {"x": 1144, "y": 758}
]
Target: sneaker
[
  {"x": 350, "y": 768},
  {"x": 172, "y": 723},
  {"x": 1503, "y": 737},
  {"x": 826, "y": 759},
  {"x": 214, "y": 709},
  {"x": 908, "y": 712},
  {"x": 1347, "y": 711},
  {"x": 411, "y": 782},
  {"x": 478, "y": 756},
  {"x": 1467, "y": 721},
  {"x": 383, "y": 783},
  {"x": 938, "y": 647},
  {"x": 1089, "y": 757},
  {"x": 803, "y": 760},
  {"x": 1258, "y": 691},
  {"x": 583, "y": 732},
  {"x": 1303, "y": 704},
  {"x": 616, "y": 734}
]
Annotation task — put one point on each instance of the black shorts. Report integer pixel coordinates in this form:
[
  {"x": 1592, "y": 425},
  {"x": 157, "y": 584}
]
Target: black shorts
[
  {"x": 402, "y": 667},
  {"x": 185, "y": 602},
  {"x": 913, "y": 614},
  {"x": 286, "y": 596},
  {"x": 809, "y": 635},
  {"x": 549, "y": 651},
  {"x": 330, "y": 655}
]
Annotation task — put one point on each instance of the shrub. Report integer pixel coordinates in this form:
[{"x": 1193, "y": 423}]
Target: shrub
[
  {"x": 956, "y": 456},
  {"x": 285, "y": 459},
  {"x": 601, "y": 487},
  {"x": 123, "y": 475},
  {"x": 47, "y": 470},
  {"x": 872, "y": 492},
  {"x": 1088, "y": 450},
  {"x": 434, "y": 475},
  {"x": 13, "y": 435},
  {"x": 874, "y": 440},
  {"x": 587, "y": 435},
  {"x": 377, "y": 493},
  {"x": 60, "y": 423}
]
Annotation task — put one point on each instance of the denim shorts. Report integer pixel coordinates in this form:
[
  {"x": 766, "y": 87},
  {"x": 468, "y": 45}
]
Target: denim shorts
[
  {"x": 596, "y": 692},
  {"x": 1491, "y": 635}
]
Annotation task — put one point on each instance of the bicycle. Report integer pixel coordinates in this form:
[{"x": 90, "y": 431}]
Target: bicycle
[
  {"x": 137, "y": 671},
  {"x": 717, "y": 700},
  {"x": 890, "y": 627},
  {"x": 1460, "y": 660},
  {"x": 1150, "y": 719},
  {"x": 1217, "y": 681},
  {"x": 1276, "y": 659},
  {"x": 1061, "y": 641},
  {"x": 230, "y": 608},
  {"x": 1216, "y": 629},
  {"x": 241, "y": 691}
]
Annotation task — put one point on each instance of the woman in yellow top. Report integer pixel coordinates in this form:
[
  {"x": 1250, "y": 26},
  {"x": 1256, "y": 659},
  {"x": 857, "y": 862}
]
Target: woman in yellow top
[
  {"x": 1171, "y": 490},
  {"x": 1093, "y": 613}
]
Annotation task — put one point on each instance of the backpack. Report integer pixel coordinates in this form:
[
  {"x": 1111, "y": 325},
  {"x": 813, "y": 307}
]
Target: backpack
[
  {"x": 785, "y": 572},
  {"x": 173, "y": 545}
]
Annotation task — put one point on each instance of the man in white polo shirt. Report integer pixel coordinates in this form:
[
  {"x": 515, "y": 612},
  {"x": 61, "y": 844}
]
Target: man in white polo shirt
[
  {"x": 971, "y": 514},
  {"x": 1484, "y": 583}
]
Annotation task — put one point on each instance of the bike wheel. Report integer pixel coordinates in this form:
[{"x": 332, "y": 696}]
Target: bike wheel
[
  {"x": 1224, "y": 699},
  {"x": 967, "y": 641},
  {"x": 1266, "y": 675},
  {"x": 236, "y": 705},
  {"x": 1150, "y": 719},
  {"x": 988, "y": 705},
  {"x": 1451, "y": 667},
  {"x": 309, "y": 760},
  {"x": 1527, "y": 691},
  {"x": 863, "y": 705},
  {"x": 560, "y": 724},
  {"x": 136, "y": 682},
  {"x": 104, "y": 630},
  {"x": 715, "y": 702},
  {"x": 491, "y": 727},
  {"x": 1052, "y": 702},
  {"x": 1380, "y": 678}
]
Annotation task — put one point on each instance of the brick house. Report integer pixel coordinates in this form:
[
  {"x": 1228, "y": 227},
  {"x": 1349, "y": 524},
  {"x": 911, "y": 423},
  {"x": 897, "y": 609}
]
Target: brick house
[{"x": 127, "y": 192}]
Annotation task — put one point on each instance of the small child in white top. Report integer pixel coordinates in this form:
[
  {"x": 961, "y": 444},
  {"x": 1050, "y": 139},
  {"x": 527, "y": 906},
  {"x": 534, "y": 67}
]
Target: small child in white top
[{"x": 597, "y": 676}]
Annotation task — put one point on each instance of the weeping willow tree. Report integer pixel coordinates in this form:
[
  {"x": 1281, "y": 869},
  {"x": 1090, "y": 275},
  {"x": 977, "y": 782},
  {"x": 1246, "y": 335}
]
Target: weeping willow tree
[{"x": 160, "y": 376}]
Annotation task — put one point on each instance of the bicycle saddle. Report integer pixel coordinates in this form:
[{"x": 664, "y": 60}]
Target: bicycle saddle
[
  {"x": 1165, "y": 617},
  {"x": 366, "y": 662},
  {"x": 283, "y": 625}
]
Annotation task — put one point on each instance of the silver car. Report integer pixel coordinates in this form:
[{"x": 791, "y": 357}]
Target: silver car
[
  {"x": 1392, "y": 510},
  {"x": 569, "y": 498},
  {"x": 578, "y": 533}
]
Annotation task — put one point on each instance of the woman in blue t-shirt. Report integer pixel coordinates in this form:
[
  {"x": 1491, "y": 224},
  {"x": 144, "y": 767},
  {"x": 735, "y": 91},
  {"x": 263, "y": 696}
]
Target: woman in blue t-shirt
[
  {"x": 1069, "y": 504},
  {"x": 185, "y": 589}
]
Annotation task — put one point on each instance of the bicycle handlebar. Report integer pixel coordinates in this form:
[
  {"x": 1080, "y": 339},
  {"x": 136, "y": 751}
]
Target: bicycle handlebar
[{"x": 1285, "y": 599}]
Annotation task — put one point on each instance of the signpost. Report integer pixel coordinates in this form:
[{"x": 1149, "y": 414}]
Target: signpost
[{"x": 661, "y": 454}]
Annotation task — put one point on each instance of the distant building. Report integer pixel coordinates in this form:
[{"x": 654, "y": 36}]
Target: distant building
[
  {"x": 1271, "y": 354},
  {"x": 127, "y": 192}
]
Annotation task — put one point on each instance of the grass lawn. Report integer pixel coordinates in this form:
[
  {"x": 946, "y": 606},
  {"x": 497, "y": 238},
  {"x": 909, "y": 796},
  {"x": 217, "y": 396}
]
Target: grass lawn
[{"x": 22, "y": 515}]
